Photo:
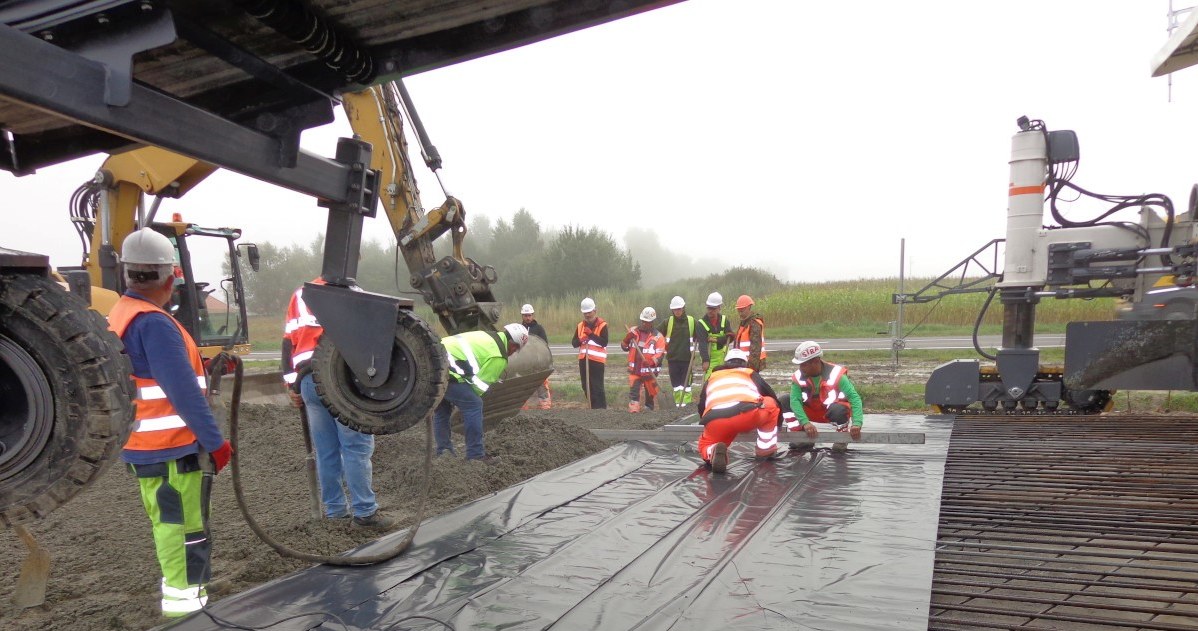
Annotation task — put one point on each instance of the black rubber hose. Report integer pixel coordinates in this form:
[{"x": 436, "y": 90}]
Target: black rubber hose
[
  {"x": 977, "y": 324},
  {"x": 283, "y": 550}
]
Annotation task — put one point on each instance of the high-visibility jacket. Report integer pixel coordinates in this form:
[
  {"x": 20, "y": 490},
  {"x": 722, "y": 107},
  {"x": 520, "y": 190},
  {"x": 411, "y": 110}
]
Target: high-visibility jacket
[
  {"x": 157, "y": 425},
  {"x": 590, "y": 349},
  {"x": 302, "y": 330},
  {"x": 645, "y": 349},
  {"x": 742, "y": 340},
  {"x": 477, "y": 357},
  {"x": 729, "y": 389},
  {"x": 816, "y": 404},
  {"x": 677, "y": 351}
]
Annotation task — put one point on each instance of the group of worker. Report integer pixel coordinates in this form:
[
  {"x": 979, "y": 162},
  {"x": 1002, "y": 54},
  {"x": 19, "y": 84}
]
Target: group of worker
[
  {"x": 734, "y": 398},
  {"x": 678, "y": 341},
  {"x": 176, "y": 445}
]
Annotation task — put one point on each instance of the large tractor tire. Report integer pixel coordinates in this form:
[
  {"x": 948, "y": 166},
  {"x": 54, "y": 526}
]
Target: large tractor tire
[
  {"x": 65, "y": 397},
  {"x": 414, "y": 386}
]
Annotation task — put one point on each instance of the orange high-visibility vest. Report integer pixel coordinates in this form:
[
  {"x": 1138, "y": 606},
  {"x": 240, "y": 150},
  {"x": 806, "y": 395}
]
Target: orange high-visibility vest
[
  {"x": 742, "y": 336},
  {"x": 644, "y": 352},
  {"x": 816, "y": 404},
  {"x": 157, "y": 425},
  {"x": 730, "y": 387},
  {"x": 302, "y": 329},
  {"x": 588, "y": 348}
]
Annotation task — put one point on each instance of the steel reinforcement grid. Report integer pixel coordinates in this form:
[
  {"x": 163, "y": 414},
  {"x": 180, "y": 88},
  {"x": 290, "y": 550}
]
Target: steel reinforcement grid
[{"x": 1078, "y": 523}]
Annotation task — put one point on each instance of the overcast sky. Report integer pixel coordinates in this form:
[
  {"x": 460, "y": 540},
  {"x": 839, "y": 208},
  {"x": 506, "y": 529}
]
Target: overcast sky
[{"x": 801, "y": 136}]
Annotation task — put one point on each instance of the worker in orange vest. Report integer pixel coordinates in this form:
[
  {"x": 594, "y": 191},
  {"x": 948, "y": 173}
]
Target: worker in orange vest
[
  {"x": 736, "y": 399},
  {"x": 176, "y": 445},
  {"x": 645, "y": 347},
  {"x": 590, "y": 338},
  {"x": 750, "y": 337}
]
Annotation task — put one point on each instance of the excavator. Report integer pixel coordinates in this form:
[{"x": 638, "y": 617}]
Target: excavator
[{"x": 161, "y": 100}]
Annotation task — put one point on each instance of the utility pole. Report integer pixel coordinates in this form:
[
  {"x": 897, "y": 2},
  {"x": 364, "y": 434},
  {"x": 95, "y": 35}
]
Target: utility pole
[
  {"x": 897, "y": 343},
  {"x": 1175, "y": 16}
]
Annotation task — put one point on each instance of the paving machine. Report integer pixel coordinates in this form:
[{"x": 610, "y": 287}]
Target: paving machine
[{"x": 1098, "y": 257}]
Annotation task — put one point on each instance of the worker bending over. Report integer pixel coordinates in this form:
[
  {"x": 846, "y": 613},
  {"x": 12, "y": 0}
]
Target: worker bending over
[
  {"x": 477, "y": 359},
  {"x": 176, "y": 445},
  {"x": 826, "y": 394},
  {"x": 736, "y": 399},
  {"x": 645, "y": 346}
]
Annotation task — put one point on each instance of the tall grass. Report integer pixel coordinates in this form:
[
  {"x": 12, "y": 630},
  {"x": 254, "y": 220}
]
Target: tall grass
[{"x": 830, "y": 309}]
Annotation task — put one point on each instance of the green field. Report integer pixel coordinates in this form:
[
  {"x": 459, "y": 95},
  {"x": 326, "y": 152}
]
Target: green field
[{"x": 858, "y": 308}]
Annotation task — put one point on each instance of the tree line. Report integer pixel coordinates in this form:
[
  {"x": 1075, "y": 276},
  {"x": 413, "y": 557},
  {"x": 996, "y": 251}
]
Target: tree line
[{"x": 571, "y": 261}]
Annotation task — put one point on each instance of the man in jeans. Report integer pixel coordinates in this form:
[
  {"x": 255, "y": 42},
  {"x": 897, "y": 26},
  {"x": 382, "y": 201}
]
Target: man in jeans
[
  {"x": 342, "y": 454},
  {"x": 477, "y": 360}
]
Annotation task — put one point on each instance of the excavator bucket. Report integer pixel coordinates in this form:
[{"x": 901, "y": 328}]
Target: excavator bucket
[{"x": 526, "y": 371}]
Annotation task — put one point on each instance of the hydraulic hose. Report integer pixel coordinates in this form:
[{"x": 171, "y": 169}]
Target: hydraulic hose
[{"x": 218, "y": 364}]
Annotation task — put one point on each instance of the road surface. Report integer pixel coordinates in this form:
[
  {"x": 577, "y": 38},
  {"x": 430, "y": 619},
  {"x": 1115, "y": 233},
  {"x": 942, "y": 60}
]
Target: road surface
[{"x": 877, "y": 343}]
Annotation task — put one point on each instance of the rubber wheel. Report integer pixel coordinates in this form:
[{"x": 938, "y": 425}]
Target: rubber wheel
[
  {"x": 66, "y": 396},
  {"x": 415, "y": 385}
]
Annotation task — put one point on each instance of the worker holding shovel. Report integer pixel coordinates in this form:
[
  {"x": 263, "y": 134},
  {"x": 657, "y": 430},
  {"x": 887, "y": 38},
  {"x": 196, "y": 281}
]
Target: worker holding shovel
[
  {"x": 590, "y": 338},
  {"x": 645, "y": 346}
]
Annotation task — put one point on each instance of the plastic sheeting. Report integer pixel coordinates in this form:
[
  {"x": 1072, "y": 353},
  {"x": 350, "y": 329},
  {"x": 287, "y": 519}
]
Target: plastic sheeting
[{"x": 642, "y": 536}]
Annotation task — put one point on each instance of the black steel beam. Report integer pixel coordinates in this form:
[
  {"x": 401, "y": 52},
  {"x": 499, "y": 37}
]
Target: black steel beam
[
  {"x": 493, "y": 35},
  {"x": 44, "y": 76}
]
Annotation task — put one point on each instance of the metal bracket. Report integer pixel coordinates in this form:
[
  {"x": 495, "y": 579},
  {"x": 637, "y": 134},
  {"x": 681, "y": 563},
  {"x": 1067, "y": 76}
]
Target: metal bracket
[{"x": 361, "y": 325}]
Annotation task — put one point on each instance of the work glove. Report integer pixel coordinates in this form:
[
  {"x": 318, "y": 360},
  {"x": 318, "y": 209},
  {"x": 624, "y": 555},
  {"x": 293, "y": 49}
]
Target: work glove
[{"x": 220, "y": 456}]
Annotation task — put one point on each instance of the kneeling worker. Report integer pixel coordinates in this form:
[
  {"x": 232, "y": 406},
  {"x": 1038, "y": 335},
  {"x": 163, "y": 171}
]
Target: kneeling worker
[
  {"x": 826, "y": 394},
  {"x": 736, "y": 399},
  {"x": 477, "y": 359}
]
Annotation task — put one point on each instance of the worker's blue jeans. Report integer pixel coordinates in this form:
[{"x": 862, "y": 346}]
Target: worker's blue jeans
[
  {"x": 342, "y": 455},
  {"x": 463, "y": 397}
]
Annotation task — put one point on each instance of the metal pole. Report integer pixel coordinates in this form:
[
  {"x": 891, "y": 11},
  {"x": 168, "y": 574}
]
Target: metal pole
[{"x": 896, "y": 338}]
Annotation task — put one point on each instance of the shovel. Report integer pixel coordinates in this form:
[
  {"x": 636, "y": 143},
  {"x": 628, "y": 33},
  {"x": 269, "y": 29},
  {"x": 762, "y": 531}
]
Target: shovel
[
  {"x": 310, "y": 468},
  {"x": 35, "y": 573}
]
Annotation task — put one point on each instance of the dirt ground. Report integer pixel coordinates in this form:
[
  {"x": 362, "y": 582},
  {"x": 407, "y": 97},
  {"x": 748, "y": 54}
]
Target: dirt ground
[{"x": 105, "y": 576}]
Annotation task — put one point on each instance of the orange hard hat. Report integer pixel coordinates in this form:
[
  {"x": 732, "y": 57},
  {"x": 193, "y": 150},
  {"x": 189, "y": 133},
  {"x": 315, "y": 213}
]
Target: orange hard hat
[{"x": 744, "y": 301}]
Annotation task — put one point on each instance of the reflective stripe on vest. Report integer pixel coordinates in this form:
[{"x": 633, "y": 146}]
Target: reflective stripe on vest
[
  {"x": 690, "y": 324},
  {"x": 729, "y": 387},
  {"x": 157, "y": 425},
  {"x": 302, "y": 329},
  {"x": 829, "y": 391},
  {"x": 468, "y": 351},
  {"x": 743, "y": 342},
  {"x": 589, "y": 349}
]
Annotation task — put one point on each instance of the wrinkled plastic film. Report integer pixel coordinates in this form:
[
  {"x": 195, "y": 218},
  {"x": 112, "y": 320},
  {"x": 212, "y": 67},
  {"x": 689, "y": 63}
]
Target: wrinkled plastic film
[{"x": 641, "y": 536}]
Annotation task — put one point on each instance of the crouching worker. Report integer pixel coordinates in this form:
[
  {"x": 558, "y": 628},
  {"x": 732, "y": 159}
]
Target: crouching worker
[
  {"x": 736, "y": 399},
  {"x": 477, "y": 360},
  {"x": 826, "y": 394}
]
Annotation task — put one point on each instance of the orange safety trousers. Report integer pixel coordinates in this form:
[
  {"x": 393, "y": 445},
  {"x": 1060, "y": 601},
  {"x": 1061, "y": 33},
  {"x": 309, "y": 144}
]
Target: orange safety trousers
[{"x": 763, "y": 420}]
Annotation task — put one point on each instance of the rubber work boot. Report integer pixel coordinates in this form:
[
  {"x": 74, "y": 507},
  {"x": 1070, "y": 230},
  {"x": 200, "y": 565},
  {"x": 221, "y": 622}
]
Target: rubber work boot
[
  {"x": 545, "y": 405},
  {"x": 375, "y": 521},
  {"x": 719, "y": 458},
  {"x": 634, "y": 407},
  {"x": 764, "y": 454},
  {"x": 489, "y": 460}
]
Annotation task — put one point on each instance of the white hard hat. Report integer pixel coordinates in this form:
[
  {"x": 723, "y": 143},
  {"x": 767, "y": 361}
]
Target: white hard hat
[
  {"x": 715, "y": 299},
  {"x": 648, "y": 314},
  {"x": 807, "y": 351},
  {"x": 526, "y": 310},
  {"x": 736, "y": 353},
  {"x": 588, "y": 305},
  {"x": 147, "y": 247},
  {"x": 517, "y": 333},
  {"x": 677, "y": 302}
]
